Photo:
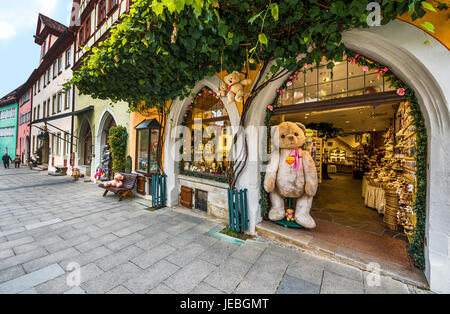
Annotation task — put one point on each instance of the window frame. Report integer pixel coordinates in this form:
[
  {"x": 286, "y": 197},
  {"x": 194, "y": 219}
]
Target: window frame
[{"x": 150, "y": 130}]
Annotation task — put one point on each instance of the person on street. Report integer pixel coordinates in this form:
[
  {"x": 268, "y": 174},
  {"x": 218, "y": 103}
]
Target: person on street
[
  {"x": 6, "y": 159},
  {"x": 17, "y": 162}
]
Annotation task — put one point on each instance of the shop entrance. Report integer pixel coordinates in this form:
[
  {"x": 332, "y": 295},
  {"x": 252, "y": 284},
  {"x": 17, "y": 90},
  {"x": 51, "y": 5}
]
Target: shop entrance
[{"x": 360, "y": 134}]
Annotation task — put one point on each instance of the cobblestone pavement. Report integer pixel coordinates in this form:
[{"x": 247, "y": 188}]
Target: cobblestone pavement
[{"x": 48, "y": 223}]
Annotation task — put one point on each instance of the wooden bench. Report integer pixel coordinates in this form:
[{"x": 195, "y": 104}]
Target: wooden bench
[{"x": 129, "y": 183}]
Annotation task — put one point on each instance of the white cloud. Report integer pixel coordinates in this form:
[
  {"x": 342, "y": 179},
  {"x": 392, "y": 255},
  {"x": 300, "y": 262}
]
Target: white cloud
[
  {"x": 7, "y": 30},
  {"x": 21, "y": 15}
]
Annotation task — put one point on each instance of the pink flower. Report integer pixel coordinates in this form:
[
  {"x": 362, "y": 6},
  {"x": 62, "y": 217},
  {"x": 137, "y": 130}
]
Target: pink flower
[
  {"x": 270, "y": 108},
  {"x": 305, "y": 65},
  {"x": 385, "y": 70},
  {"x": 401, "y": 92},
  {"x": 296, "y": 72},
  {"x": 291, "y": 77},
  {"x": 289, "y": 84},
  {"x": 278, "y": 91},
  {"x": 366, "y": 69}
]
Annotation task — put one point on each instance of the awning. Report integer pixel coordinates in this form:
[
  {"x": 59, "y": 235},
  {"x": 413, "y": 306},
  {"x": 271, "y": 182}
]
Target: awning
[
  {"x": 68, "y": 114},
  {"x": 148, "y": 124}
]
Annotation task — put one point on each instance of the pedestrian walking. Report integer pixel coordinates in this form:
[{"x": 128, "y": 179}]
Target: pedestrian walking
[
  {"x": 17, "y": 162},
  {"x": 6, "y": 159}
]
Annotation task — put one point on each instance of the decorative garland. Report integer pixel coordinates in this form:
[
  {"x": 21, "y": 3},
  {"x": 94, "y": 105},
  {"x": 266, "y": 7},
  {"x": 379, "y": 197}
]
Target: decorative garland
[
  {"x": 416, "y": 246},
  {"x": 195, "y": 174}
]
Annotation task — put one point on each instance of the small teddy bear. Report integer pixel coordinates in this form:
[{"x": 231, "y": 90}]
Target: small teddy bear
[
  {"x": 290, "y": 215},
  {"x": 235, "y": 89},
  {"x": 117, "y": 182}
]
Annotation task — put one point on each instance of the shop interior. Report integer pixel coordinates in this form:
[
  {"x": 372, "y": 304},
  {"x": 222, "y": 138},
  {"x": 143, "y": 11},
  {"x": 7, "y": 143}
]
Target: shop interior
[{"x": 365, "y": 159}]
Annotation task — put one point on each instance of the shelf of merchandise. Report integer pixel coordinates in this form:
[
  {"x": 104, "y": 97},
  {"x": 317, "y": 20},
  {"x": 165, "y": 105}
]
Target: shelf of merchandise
[
  {"x": 319, "y": 154},
  {"x": 412, "y": 218}
]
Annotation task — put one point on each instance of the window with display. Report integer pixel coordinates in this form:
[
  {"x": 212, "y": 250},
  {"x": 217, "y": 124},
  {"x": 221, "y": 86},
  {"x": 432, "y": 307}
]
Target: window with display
[
  {"x": 206, "y": 149},
  {"x": 147, "y": 140},
  {"x": 345, "y": 80}
]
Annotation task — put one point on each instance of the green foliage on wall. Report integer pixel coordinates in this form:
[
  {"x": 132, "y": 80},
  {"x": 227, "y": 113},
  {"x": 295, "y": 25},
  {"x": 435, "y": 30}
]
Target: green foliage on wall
[
  {"x": 118, "y": 138},
  {"x": 161, "y": 49}
]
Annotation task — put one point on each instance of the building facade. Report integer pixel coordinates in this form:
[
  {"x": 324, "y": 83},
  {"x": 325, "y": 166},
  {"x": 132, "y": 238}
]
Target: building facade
[
  {"x": 95, "y": 117},
  {"x": 9, "y": 106},
  {"x": 24, "y": 126},
  {"x": 51, "y": 132}
]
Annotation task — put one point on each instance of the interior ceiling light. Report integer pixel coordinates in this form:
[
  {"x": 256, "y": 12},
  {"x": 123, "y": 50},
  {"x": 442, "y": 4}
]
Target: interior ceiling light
[{"x": 347, "y": 122}]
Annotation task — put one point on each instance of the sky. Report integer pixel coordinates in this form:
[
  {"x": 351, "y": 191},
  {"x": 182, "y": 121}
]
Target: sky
[{"x": 19, "y": 54}]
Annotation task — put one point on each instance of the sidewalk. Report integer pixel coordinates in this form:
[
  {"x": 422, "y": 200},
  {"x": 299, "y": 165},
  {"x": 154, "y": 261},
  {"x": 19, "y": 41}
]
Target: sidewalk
[{"x": 48, "y": 223}]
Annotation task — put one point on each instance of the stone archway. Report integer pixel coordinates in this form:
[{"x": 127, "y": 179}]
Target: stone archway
[
  {"x": 85, "y": 144},
  {"x": 107, "y": 120},
  {"x": 400, "y": 46},
  {"x": 171, "y": 146}
]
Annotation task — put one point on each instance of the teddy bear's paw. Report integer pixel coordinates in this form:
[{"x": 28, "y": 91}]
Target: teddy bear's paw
[
  {"x": 240, "y": 99},
  {"x": 305, "y": 220},
  {"x": 277, "y": 214}
]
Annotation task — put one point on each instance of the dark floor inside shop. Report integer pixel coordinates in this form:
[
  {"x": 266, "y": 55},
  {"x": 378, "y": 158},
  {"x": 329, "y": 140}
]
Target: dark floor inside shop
[{"x": 342, "y": 219}]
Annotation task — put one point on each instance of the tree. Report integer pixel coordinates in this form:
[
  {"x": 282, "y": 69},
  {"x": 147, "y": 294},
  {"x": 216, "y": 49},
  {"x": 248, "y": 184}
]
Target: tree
[{"x": 163, "y": 47}]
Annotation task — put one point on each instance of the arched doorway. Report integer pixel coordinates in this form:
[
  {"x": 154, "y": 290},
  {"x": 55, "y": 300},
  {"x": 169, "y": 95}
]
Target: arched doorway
[
  {"x": 85, "y": 144},
  {"x": 106, "y": 122},
  {"x": 418, "y": 66}
]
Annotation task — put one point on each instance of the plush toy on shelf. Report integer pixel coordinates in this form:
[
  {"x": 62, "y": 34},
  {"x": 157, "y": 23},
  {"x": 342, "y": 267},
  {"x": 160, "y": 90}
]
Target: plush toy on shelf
[
  {"x": 235, "y": 89},
  {"x": 117, "y": 182}
]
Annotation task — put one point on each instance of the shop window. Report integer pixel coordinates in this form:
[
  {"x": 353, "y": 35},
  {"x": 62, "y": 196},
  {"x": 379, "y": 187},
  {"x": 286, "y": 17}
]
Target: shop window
[
  {"x": 68, "y": 56},
  {"x": 206, "y": 149},
  {"x": 345, "y": 80},
  {"x": 147, "y": 140}
]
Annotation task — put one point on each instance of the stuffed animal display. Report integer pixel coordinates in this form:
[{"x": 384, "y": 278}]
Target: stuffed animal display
[
  {"x": 117, "y": 182},
  {"x": 290, "y": 215},
  {"x": 235, "y": 88},
  {"x": 292, "y": 173}
]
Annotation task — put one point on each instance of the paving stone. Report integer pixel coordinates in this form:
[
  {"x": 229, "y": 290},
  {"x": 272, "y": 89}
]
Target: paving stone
[
  {"x": 11, "y": 273},
  {"x": 59, "y": 285},
  {"x": 153, "y": 276},
  {"x": 190, "y": 276},
  {"x": 129, "y": 230},
  {"x": 292, "y": 285},
  {"x": 75, "y": 290},
  {"x": 264, "y": 276},
  {"x": 111, "y": 279},
  {"x": 43, "y": 224},
  {"x": 31, "y": 280},
  {"x": 50, "y": 259},
  {"x": 119, "y": 290},
  {"x": 61, "y": 245},
  {"x": 153, "y": 241},
  {"x": 383, "y": 285},
  {"x": 26, "y": 248},
  {"x": 15, "y": 243},
  {"x": 153, "y": 256},
  {"x": 185, "y": 256},
  {"x": 22, "y": 258},
  {"x": 249, "y": 252},
  {"x": 95, "y": 243},
  {"x": 204, "y": 288},
  {"x": 344, "y": 270},
  {"x": 6, "y": 253},
  {"x": 228, "y": 276},
  {"x": 87, "y": 257},
  {"x": 162, "y": 289},
  {"x": 336, "y": 284},
  {"x": 120, "y": 257},
  {"x": 121, "y": 243}
]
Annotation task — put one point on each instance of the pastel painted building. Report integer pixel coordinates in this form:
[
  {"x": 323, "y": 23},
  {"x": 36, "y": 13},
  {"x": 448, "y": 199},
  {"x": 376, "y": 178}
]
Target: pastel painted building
[
  {"x": 24, "y": 119},
  {"x": 9, "y": 105},
  {"x": 51, "y": 116},
  {"x": 94, "y": 117}
]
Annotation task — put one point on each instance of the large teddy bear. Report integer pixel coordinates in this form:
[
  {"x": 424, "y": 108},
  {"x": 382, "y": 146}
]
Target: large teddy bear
[
  {"x": 292, "y": 173},
  {"x": 235, "y": 89},
  {"x": 117, "y": 182}
]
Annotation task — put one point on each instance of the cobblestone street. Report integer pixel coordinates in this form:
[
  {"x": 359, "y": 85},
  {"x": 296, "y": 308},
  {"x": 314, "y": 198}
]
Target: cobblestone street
[{"x": 47, "y": 223}]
